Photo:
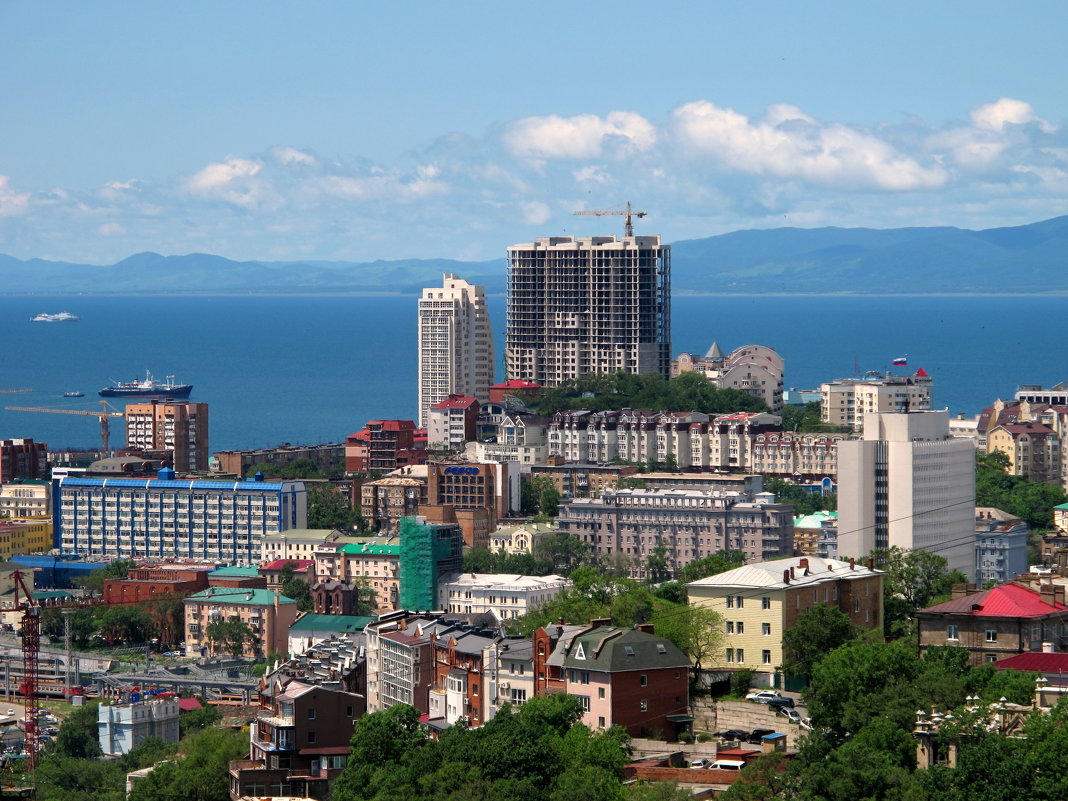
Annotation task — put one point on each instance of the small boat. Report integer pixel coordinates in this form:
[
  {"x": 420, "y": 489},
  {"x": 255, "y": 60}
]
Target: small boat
[
  {"x": 73, "y": 394},
  {"x": 60, "y": 317}
]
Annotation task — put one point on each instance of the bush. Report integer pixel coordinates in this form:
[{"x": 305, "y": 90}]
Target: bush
[
  {"x": 740, "y": 681},
  {"x": 704, "y": 737},
  {"x": 685, "y": 737}
]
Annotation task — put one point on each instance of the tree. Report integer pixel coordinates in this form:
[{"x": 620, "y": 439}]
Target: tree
[
  {"x": 696, "y": 630},
  {"x": 94, "y": 580},
  {"x": 711, "y": 565},
  {"x": 130, "y": 624},
  {"x": 202, "y": 774},
  {"x": 807, "y": 420},
  {"x": 296, "y": 588},
  {"x": 77, "y": 736},
  {"x": 914, "y": 580},
  {"x": 231, "y": 635},
  {"x": 565, "y": 552},
  {"x": 1031, "y": 501},
  {"x": 818, "y": 631},
  {"x": 329, "y": 508},
  {"x": 804, "y": 501},
  {"x": 196, "y": 719},
  {"x": 657, "y": 570}
]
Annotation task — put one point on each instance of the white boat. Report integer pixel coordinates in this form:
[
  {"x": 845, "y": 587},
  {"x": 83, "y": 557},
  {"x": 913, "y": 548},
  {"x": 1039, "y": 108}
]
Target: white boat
[{"x": 61, "y": 317}]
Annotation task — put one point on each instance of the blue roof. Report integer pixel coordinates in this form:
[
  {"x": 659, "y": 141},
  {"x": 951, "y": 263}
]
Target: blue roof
[{"x": 155, "y": 483}]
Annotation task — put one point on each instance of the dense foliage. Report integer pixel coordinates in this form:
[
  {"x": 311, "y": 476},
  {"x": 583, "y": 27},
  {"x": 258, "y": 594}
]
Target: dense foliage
[
  {"x": 558, "y": 553},
  {"x": 1031, "y": 501},
  {"x": 806, "y": 420},
  {"x": 690, "y": 392},
  {"x": 818, "y": 631},
  {"x": 162, "y": 619},
  {"x": 804, "y": 502},
  {"x": 915, "y": 579}
]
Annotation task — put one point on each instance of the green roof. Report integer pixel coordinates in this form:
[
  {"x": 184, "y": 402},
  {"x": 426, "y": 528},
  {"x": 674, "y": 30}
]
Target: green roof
[
  {"x": 338, "y": 623},
  {"x": 248, "y": 570},
  {"x": 371, "y": 548},
  {"x": 814, "y": 520},
  {"x": 240, "y": 595},
  {"x": 49, "y": 595},
  {"x": 1061, "y": 506},
  {"x": 613, "y": 650}
]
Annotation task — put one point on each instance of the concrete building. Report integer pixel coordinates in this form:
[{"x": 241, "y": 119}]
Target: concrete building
[
  {"x": 455, "y": 344},
  {"x": 759, "y": 601},
  {"x": 516, "y": 388},
  {"x": 1000, "y": 546},
  {"x": 809, "y": 529},
  {"x": 268, "y": 614},
  {"x": 299, "y": 741},
  {"x": 429, "y": 553},
  {"x": 505, "y": 596},
  {"x": 26, "y": 498},
  {"x": 798, "y": 457},
  {"x": 460, "y": 689},
  {"x": 122, "y": 726},
  {"x": 466, "y": 495},
  {"x": 847, "y": 401},
  {"x": 1057, "y": 395},
  {"x": 588, "y": 305},
  {"x": 628, "y": 526},
  {"x": 400, "y": 663},
  {"x": 1033, "y": 450},
  {"x": 22, "y": 458},
  {"x": 907, "y": 483},
  {"x": 168, "y": 517},
  {"x": 384, "y": 445},
  {"x": 296, "y": 543},
  {"x": 386, "y": 501},
  {"x": 24, "y": 537},
  {"x": 310, "y": 629},
  {"x": 997, "y": 623},
  {"x": 326, "y": 457},
  {"x": 178, "y": 427},
  {"x": 582, "y": 479},
  {"x": 452, "y": 422},
  {"x": 756, "y": 370},
  {"x": 522, "y": 538}
]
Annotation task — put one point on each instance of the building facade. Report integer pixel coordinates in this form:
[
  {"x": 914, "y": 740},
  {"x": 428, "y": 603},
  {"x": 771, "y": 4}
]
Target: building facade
[
  {"x": 756, "y": 370},
  {"x": 178, "y": 427},
  {"x": 429, "y": 553},
  {"x": 1000, "y": 546},
  {"x": 451, "y": 422},
  {"x": 632, "y": 525},
  {"x": 386, "y": 501},
  {"x": 23, "y": 458},
  {"x": 26, "y": 498},
  {"x": 326, "y": 457},
  {"x": 268, "y": 615},
  {"x": 588, "y": 305},
  {"x": 167, "y": 517},
  {"x": 122, "y": 726},
  {"x": 845, "y": 402},
  {"x": 455, "y": 344},
  {"x": 907, "y": 483},
  {"x": 384, "y": 445},
  {"x": 505, "y": 596}
]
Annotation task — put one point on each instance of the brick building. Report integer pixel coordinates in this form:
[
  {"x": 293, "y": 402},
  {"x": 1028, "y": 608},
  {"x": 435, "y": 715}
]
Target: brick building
[
  {"x": 268, "y": 614},
  {"x": 326, "y": 457},
  {"x": 22, "y": 458},
  {"x": 151, "y": 582},
  {"x": 178, "y": 427},
  {"x": 466, "y": 495},
  {"x": 384, "y": 445}
]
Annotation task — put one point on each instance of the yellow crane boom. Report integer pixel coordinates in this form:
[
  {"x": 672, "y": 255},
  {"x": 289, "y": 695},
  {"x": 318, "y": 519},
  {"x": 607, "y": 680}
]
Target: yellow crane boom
[
  {"x": 103, "y": 414},
  {"x": 628, "y": 212}
]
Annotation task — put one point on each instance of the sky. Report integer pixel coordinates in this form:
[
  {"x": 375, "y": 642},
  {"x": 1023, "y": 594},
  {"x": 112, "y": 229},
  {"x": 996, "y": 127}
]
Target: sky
[{"x": 360, "y": 131}]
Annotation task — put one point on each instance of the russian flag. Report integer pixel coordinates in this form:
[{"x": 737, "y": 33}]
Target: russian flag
[{"x": 900, "y": 361}]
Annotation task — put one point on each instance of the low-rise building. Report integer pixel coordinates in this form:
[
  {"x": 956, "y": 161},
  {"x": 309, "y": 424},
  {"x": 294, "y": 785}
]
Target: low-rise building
[
  {"x": 276, "y": 572},
  {"x": 24, "y": 537},
  {"x": 460, "y": 690},
  {"x": 759, "y": 601},
  {"x": 809, "y": 530},
  {"x": 384, "y": 445},
  {"x": 296, "y": 543},
  {"x": 267, "y": 614},
  {"x": 26, "y": 498},
  {"x": 124, "y": 725},
  {"x": 997, "y": 623},
  {"x": 312, "y": 629},
  {"x": 521, "y": 538},
  {"x": 516, "y": 387},
  {"x": 307, "y": 708},
  {"x": 1000, "y": 546},
  {"x": 582, "y": 479},
  {"x": 505, "y": 596},
  {"x": 385, "y": 501},
  {"x": 451, "y": 422},
  {"x": 326, "y": 457},
  {"x": 157, "y": 581},
  {"x": 844, "y": 402}
]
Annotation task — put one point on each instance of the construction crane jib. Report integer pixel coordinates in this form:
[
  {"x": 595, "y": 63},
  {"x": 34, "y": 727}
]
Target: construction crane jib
[
  {"x": 628, "y": 212},
  {"x": 103, "y": 414}
]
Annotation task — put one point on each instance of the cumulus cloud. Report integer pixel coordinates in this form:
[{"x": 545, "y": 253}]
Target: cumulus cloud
[
  {"x": 111, "y": 229},
  {"x": 233, "y": 181},
  {"x": 381, "y": 184},
  {"x": 592, "y": 174},
  {"x": 536, "y": 213},
  {"x": 579, "y": 137},
  {"x": 11, "y": 202},
  {"x": 1007, "y": 111},
  {"x": 290, "y": 155},
  {"x": 788, "y": 144}
]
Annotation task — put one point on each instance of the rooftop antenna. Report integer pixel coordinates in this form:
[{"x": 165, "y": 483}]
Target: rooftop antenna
[{"x": 628, "y": 228}]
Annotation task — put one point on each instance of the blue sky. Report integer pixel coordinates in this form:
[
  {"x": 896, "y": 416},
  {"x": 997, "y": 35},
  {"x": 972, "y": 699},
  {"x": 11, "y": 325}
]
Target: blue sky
[{"x": 358, "y": 131}]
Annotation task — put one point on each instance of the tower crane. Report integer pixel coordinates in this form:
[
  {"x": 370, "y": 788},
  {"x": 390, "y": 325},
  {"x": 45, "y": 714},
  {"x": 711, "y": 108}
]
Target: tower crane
[
  {"x": 628, "y": 229},
  {"x": 103, "y": 414},
  {"x": 31, "y": 647}
]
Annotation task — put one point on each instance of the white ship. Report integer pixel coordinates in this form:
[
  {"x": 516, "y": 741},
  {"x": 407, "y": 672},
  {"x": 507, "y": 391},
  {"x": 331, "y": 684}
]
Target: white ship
[{"x": 61, "y": 317}]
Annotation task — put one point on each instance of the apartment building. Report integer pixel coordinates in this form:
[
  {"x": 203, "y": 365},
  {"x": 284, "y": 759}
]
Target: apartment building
[
  {"x": 222, "y": 521},
  {"x": 384, "y": 502},
  {"x": 1033, "y": 450},
  {"x": 455, "y": 344},
  {"x": 758, "y": 602},
  {"x": 370, "y": 562},
  {"x": 452, "y": 422},
  {"x": 23, "y": 498},
  {"x": 756, "y": 370},
  {"x": 508, "y": 432},
  {"x": 632, "y": 524},
  {"x": 178, "y": 427},
  {"x": 466, "y": 495},
  {"x": 1000, "y": 546},
  {"x": 268, "y": 614},
  {"x": 306, "y": 711},
  {"x": 296, "y": 543},
  {"x": 326, "y": 457},
  {"x": 505, "y": 596},
  {"x": 907, "y": 483},
  {"x": 846, "y": 401},
  {"x": 122, "y": 726},
  {"x": 384, "y": 445},
  {"x": 804, "y": 457},
  {"x": 24, "y": 537},
  {"x": 22, "y": 458},
  {"x": 516, "y": 388},
  {"x": 582, "y": 479},
  {"x": 400, "y": 661},
  {"x": 588, "y": 305},
  {"x": 521, "y": 538},
  {"x": 429, "y": 553},
  {"x": 460, "y": 691},
  {"x": 509, "y": 672}
]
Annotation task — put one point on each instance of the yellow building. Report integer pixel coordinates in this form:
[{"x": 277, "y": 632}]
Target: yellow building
[
  {"x": 758, "y": 602},
  {"x": 24, "y": 536}
]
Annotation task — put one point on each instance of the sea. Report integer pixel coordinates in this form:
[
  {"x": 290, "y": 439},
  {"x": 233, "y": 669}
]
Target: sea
[{"x": 306, "y": 369}]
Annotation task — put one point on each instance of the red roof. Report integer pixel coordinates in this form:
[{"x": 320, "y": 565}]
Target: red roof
[
  {"x": 1038, "y": 661},
  {"x": 921, "y": 373},
  {"x": 299, "y": 565},
  {"x": 1006, "y": 600},
  {"x": 189, "y": 704},
  {"x": 516, "y": 383},
  {"x": 456, "y": 402}
]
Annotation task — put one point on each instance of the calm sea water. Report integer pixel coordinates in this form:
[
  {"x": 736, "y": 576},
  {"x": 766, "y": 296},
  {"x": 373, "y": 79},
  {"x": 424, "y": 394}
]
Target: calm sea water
[{"x": 312, "y": 369}]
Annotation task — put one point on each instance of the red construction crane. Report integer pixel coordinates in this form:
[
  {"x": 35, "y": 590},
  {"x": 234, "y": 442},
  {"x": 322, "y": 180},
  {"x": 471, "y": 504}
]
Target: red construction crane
[
  {"x": 628, "y": 229},
  {"x": 31, "y": 647}
]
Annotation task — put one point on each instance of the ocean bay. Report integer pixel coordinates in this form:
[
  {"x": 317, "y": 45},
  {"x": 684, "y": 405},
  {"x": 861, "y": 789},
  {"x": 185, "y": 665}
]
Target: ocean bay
[{"x": 312, "y": 368}]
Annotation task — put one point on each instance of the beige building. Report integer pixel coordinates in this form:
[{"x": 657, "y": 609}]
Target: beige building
[
  {"x": 386, "y": 500},
  {"x": 26, "y": 499},
  {"x": 907, "y": 483},
  {"x": 588, "y": 305},
  {"x": 505, "y": 596},
  {"x": 523, "y": 538},
  {"x": 1033, "y": 450},
  {"x": 296, "y": 543},
  {"x": 805, "y": 456},
  {"x": 179, "y": 427},
  {"x": 846, "y": 401},
  {"x": 268, "y": 614},
  {"x": 756, "y": 370},
  {"x": 759, "y": 601},
  {"x": 455, "y": 343}
]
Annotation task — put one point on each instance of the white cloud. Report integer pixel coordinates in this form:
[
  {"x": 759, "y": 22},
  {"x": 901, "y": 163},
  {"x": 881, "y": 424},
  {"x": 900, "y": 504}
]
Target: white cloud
[
  {"x": 582, "y": 136},
  {"x": 382, "y": 185},
  {"x": 111, "y": 229},
  {"x": 593, "y": 174},
  {"x": 1007, "y": 111},
  {"x": 234, "y": 181},
  {"x": 216, "y": 176},
  {"x": 536, "y": 213},
  {"x": 789, "y": 144},
  {"x": 11, "y": 202},
  {"x": 290, "y": 155}
]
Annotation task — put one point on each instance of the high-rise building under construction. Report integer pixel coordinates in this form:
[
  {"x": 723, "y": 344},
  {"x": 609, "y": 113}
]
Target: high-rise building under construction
[{"x": 588, "y": 305}]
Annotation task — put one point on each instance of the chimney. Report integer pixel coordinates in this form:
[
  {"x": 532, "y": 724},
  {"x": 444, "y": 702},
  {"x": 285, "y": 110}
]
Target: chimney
[
  {"x": 792, "y": 573},
  {"x": 852, "y": 563},
  {"x": 786, "y": 577},
  {"x": 646, "y": 627},
  {"x": 871, "y": 565},
  {"x": 1048, "y": 593},
  {"x": 960, "y": 590},
  {"x": 600, "y": 621},
  {"x": 804, "y": 563}
]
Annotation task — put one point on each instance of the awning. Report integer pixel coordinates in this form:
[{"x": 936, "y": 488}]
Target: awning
[{"x": 680, "y": 718}]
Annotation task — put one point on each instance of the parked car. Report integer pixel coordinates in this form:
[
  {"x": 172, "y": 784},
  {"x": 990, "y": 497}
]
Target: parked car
[
  {"x": 793, "y": 715},
  {"x": 763, "y": 696},
  {"x": 806, "y": 723},
  {"x": 757, "y": 737},
  {"x": 733, "y": 734},
  {"x": 780, "y": 703},
  {"x": 698, "y": 764},
  {"x": 727, "y": 764}
]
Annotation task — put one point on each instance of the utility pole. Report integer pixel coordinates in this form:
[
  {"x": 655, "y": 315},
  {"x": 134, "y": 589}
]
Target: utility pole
[{"x": 67, "y": 657}]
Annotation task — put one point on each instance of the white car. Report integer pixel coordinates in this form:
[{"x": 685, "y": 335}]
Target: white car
[
  {"x": 793, "y": 715},
  {"x": 763, "y": 696}
]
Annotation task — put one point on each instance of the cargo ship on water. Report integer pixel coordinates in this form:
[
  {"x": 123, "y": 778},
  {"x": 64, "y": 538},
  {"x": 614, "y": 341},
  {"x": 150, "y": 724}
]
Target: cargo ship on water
[{"x": 147, "y": 388}]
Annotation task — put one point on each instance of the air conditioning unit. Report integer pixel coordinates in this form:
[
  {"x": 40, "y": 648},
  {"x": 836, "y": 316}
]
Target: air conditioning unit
[{"x": 505, "y": 685}]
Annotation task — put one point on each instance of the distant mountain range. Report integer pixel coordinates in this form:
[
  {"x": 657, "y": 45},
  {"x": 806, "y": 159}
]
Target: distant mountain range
[{"x": 1024, "y": 259}]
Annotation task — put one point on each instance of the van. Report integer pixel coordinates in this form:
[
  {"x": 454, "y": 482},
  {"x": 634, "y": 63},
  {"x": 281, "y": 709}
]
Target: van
[{"x": 727, "y": 764}]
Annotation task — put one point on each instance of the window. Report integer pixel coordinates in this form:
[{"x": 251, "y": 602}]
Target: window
[
  {"x": 739, "y": 654},
  {"x": 348, "y": 711},
  {"x": 991, "y": 635},
  {"x": 856, "y": 604},
  {"x": 643, "y": 705},
  {"x": 991, "y": 657},
  {"x": 739, "y": 627},
  {"x": 741, "y": 601},
  {"x": 311, "y": 737},
  {"x": 765, "y": 602},
  {"x": 730, "y": 654},
  {"x": 730, "y": 602},
  {"x": 643, "y": 680},
  {"x": 765, "y": 629},
  {"x": 311, "y": 714},
  {"x": 765, "y": 657},
  {"x": 600, "y": 692},
  {"x": 600, "y": 722},
  {"x": 730, "y": 627}
]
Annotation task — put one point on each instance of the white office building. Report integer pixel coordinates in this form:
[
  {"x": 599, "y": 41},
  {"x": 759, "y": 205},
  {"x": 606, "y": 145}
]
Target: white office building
[
  {"x": 455, "y": 343},
  {"x": 505, "y": 596},
  {"x": 122, "y": 726},
  {"x": 908, "y": 483}
]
